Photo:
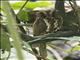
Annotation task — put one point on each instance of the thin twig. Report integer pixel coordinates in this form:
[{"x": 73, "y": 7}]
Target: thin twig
[{"x": 23, "y": 5}]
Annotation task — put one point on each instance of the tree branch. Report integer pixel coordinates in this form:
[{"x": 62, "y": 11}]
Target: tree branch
[{"x": 23, "y": 5}]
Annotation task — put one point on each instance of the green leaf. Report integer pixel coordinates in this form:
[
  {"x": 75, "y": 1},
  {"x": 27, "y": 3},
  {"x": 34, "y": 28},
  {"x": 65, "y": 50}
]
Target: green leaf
[
  {"x": 12, "y": 28},
  {"x": 31, "y": 5},
  {"x": 76, "y": 48},
  {"x": 2, "y": 58},
  {"x": 5, "y": 43},
  {"x": 23, "y": 15}
]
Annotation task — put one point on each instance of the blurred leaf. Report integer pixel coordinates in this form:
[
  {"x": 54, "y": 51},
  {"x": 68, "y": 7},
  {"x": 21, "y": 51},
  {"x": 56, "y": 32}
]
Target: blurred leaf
[
  {"x": 49, "y": 39},
  {"x": 50, "y": 56},
  {"x": 2, "y": 58},
  {"x": 5, "y": 43},
  {"x": 30, "y": 5},
  {"x": 26, "y": 45},
  {"x": 12, "y": 28},
  {"x": 33, "y": 0},
  {"x": 76, "y": 48},
  {"x": 23, "y": 15}
]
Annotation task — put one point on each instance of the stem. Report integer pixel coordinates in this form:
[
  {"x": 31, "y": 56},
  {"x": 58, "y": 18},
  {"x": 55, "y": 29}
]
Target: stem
[
  {"x": 18, "y": 21},
  {"x": 23, "y": 5}
]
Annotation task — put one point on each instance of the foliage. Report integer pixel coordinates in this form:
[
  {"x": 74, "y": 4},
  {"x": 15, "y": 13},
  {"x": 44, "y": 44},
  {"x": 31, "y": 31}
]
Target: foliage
[
  {"x": 30, "y": 5},
  {"x": 5, "y": 43},
  {"x": 21, "y": 39},
  {"x": 23, "y": 16},
  {"x": 12, "y": 29}
]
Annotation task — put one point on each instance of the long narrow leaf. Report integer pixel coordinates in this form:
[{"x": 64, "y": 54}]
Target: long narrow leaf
[{"x": 11, "y": 19}]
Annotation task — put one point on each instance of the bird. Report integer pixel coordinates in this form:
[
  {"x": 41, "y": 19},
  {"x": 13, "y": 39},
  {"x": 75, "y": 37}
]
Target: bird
[{"x": 39, "y": 28}]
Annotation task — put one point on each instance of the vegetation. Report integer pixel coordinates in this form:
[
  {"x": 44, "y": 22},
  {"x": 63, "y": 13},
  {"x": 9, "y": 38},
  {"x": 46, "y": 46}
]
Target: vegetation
[
  {"x": 64, "y": 29},
  {"x": 30, "y": 5}
]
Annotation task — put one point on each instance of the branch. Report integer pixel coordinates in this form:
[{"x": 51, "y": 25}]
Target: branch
[
  {"x": 23, "y": 5},
  {"x": 18, "y": 21}
]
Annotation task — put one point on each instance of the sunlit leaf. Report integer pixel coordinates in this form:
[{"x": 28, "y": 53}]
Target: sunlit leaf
[
  {"x": 31, "y": 5},
  {"x": 23, "y": 15}
]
